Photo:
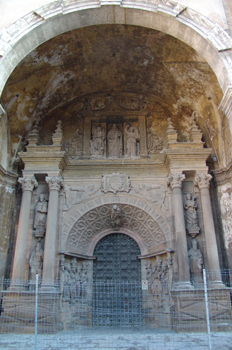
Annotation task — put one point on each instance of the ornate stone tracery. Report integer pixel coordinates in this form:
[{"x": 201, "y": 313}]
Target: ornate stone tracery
[{"x": 99, "y": 219}]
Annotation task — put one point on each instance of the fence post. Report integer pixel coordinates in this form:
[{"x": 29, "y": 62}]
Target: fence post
[
  {"x": 207, "y": 310},
  {"x": 36, "y": 308}
]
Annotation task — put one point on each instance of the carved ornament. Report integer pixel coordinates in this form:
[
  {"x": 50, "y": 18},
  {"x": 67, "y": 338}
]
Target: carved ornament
[
  {"x": 203, "y": 180},
  {"x": 175, "y": 180},
  {"x": 28, "y": 183},
  {"x": 54, "y": 183},
  {"x": 115, "y": 182}
]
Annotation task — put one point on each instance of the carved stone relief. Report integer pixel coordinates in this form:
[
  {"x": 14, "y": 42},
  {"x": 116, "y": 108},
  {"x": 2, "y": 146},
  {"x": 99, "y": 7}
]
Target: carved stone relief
[
  {"x": 97, "y": 144},
  {"x": 159, "y": 275},
  {"x": 151, "y": 192},
  {"x": 73, "y": 279},
  {"x": 115, "y": 182},
  {"x": 74, "y": 147},
  {"x": 99, "y": 219},
  {"x": 77, "y": 194},
  {"x": 101, "y": 207},
  {"x": 195, "y": 263}
]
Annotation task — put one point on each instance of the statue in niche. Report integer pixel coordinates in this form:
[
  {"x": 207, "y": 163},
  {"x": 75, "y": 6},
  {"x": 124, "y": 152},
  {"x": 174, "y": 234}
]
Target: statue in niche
[
  {"x": 36, "y": 262},
  {"x": 115, "y": 217},
  {"x": 195, "y": 263},
  {"x": 75, "y": 146},
  {"x": 41, "y": 209},
  {"x": 132, "y": 136},
  {"x": 154, "y": 143},
  {"x": 97, "y": 142},
  {"x": 190, "y": 205},
  {"x": 114, "y": 140}
]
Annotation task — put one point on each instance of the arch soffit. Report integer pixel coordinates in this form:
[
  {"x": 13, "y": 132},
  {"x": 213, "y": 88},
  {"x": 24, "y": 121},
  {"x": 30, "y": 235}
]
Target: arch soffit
[
  {"x": 157, "y": 223},
  {"x": 206, "y": 37}
]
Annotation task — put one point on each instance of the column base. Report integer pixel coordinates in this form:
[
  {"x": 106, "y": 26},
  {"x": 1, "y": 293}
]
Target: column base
[
  {"x": 182, "y": 286},
  {"x": 49, "y": 288},
  {"x": 215, "y": 285}
]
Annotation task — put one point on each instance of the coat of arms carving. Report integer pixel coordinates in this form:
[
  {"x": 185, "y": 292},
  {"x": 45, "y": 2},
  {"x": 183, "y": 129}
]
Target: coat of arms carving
[{"x": 115, "y": 182}]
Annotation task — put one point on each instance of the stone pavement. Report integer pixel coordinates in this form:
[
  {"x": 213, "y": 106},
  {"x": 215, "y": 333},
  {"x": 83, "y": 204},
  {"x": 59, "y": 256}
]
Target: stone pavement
[{"x": 117, "y": 340}]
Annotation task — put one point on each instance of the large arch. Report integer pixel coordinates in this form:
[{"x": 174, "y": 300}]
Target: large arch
[
  {"x": 207, "y": 38},
  {"x": 86, "y": 224}
]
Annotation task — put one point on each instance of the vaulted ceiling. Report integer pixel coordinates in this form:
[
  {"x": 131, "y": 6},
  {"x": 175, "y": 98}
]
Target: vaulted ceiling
[{"x": 56, "y": 79}]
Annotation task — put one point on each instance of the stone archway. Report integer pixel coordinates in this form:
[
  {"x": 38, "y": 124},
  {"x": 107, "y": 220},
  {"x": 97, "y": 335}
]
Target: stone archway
[
  {"x": 138, "y": 220},
  {"x": 207, "y": 38}
]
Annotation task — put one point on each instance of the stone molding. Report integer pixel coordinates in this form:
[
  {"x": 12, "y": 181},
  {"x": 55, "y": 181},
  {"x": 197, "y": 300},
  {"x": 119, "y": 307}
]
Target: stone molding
[
  {"x": 28, "y": 183},
  {"x": 213, "y": 33},
  {"x": 7, "y": 178},
  {"x": 54, "y": 183},
  {"x": 226, "y": 105},
  {"x": 78, "y": 211},
  {"x": 203, "y": 180},
  {"x": 222, "y": 176},
  {"x": 175, "y": 180}
]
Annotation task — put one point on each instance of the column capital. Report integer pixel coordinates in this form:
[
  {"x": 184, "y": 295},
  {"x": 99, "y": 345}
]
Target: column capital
[
  {"x": 175, "y": 180},
  {"x": 202, "y": 180},
  {"x": 28, "y": 183},
  {"x": 54, "y": 182}
]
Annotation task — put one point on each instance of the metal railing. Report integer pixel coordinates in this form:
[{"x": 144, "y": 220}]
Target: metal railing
[{"x": 117, "y": 315}]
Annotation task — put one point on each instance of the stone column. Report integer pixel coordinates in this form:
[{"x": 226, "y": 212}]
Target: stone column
[
  {"x": 54, "y": 185},
  {"x": 18, "y": 274},
  {"x": 175, "y": 182},
  {"x": 203, "y": 182}
]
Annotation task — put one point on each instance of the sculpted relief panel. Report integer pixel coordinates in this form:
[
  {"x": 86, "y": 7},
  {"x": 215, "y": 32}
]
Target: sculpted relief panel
[{"x": 111, "y": 216}]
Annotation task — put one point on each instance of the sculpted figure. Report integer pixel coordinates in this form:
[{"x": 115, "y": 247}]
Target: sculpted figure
[
  {"x": 74, "y": 147},
  {"x": 190, "y": 206},
  {"x": 36, "y": 262},
  {"x": 195, "y": 263},
  {"x": 132, "y": 135},
  {"x": 97, "y": 142},
  {"x": 116, "y": 216},
  {"x": 114, "y": 139},
  {"x": 41, "y": 209}
]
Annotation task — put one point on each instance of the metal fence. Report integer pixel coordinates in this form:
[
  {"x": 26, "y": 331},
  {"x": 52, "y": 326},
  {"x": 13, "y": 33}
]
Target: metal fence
[{"x": 117, "y": 315}]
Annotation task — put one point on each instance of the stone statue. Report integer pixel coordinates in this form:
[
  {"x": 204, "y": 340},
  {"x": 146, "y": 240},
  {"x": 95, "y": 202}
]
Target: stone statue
[
  {"x": 97, "y": 142},
  {"x": 115, "y": 217},
  {"x": 41, "y": 209},
  {"x": 74, "y": 147},
  {"x": 36, "y": 262},
  {"x": 114, "y": 140},
  {"x": 190, "y": 206},
  {"x": 195, "y": 263},
  {"x": 132, "y": 135}
]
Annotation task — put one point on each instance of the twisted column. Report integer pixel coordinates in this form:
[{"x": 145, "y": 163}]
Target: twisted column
[
  {"x": 203, "y": 182},
  {"x": 54, "y": 185},
  {"x": 28, "y": 184},
  {"x": 175, "y": 182}
]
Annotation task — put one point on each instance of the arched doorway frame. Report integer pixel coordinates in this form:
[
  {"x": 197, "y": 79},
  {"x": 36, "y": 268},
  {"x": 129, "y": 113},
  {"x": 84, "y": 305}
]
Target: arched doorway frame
[
  {"x": 46, "y": 22},
  {"x": 79, "y": 210}
]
